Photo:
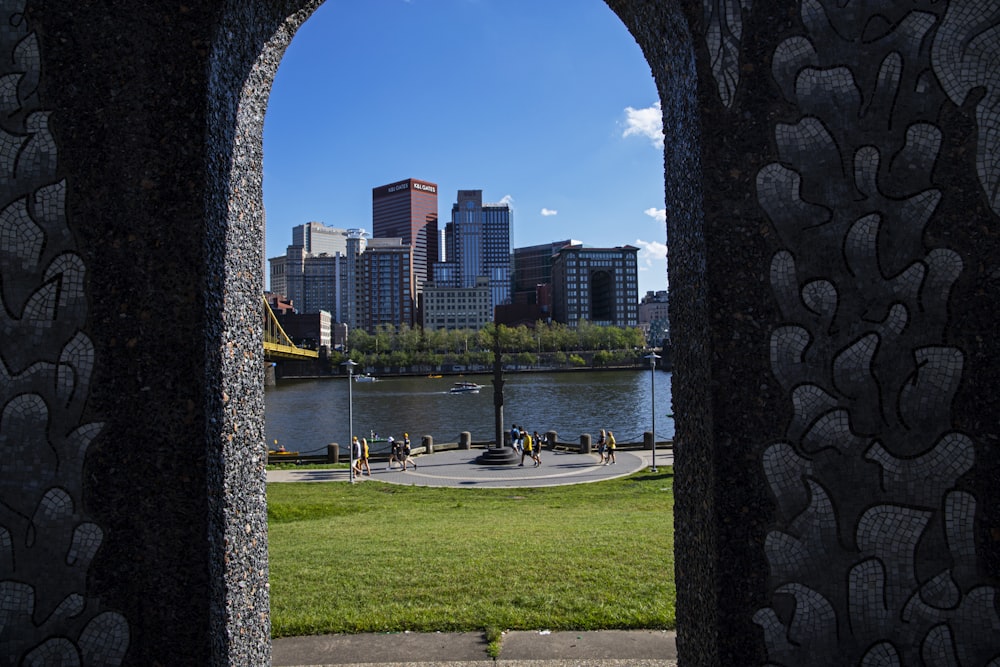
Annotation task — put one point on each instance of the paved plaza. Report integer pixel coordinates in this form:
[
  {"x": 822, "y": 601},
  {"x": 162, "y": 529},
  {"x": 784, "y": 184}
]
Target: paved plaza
[{"x": 458, "y": 468}]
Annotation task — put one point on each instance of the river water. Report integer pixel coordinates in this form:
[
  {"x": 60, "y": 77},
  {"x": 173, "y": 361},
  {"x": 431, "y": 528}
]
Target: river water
[{"x": 306, "y": 415}]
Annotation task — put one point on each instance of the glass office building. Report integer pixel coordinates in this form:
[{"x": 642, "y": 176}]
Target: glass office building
[{"x": 478, "y": 246}]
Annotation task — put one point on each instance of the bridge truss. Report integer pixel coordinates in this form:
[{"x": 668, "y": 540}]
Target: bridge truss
[{"x": 277, "y": 344}]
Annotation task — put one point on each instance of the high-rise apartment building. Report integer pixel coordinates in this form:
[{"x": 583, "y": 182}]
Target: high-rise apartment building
[
  {"x": 600, "y": 285},
  {"x": 386, "y": 275},
  {"x": 409, "y": 210},
  {"x": 477, "y": 246}
]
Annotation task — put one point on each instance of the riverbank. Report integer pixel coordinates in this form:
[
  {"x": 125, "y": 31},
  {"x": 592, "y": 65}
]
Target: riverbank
[
  {"x": 309, "y": 415},
  {"x": 473, "y": 371}
]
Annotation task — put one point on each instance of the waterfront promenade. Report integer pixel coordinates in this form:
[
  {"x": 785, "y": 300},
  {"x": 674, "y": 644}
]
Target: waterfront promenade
[
  {"x": 534, "y": 648},
  {"x": 457, "y": 468}
]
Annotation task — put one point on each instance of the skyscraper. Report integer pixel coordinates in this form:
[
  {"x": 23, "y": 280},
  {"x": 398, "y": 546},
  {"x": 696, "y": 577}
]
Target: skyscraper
[
  {"x": 478, "y": 246},
  {"x": 317, "y": 239},
  {"x": 386, "y": 268},
  {"x": 309, "y": 271},
  {"x": 408, "y": 210},
  {"x": 320, "y": 271}
]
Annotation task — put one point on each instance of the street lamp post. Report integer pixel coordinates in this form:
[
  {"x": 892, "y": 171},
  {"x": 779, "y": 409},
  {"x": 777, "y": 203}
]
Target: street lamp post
[
  {"x": 653, "y": 356},
  {"x": 350, "y": 364}
]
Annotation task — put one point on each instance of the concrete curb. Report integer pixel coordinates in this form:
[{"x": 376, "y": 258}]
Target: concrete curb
[{"x": 638, "y": 648}]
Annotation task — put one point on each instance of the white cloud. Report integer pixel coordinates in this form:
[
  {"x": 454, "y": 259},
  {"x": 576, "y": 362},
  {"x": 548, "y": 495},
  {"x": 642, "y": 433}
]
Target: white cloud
[
  {"x": 651, "y": 251},
  {"x": 658, "y": 214},
  {"x": 548, "y": 211},
  {"x": 507, "y": 199},
  {"x": 646, "y": 122},
  {"x": 652, "y": 257}
]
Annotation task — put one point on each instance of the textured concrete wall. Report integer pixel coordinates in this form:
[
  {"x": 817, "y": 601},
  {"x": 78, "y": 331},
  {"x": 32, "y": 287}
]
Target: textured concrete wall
[{"x": 830, "y": 179}]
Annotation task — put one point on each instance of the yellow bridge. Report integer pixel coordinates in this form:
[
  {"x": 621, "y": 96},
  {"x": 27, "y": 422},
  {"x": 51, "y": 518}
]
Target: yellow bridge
[{"x": 277, "y": 344}]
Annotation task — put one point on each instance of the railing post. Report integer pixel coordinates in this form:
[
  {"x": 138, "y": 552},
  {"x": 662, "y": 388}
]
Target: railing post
[
  {"x": 465, "y": 440},
  {"x": 647, "y": 440},
  {"x": 585, "y": 447},
  {"x": 333, "y": 453},
  {"x": 551, "y": 437},
  {"x": 428, "y": 442}
]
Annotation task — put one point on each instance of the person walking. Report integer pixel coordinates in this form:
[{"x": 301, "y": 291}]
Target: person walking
[
  {"x": 356, "y": 454},
  {"x": 405, "y": 453},
  {"x": 527, "y": 444},
  {"x": 393, "y": 453},
  {"x": 515, "y": 438},
  {"x": 537, "y": 440},
  {"x": 611, "y": 448},
  {"x": 364, "y": 457},
  {"x": 602, "y": 446}
]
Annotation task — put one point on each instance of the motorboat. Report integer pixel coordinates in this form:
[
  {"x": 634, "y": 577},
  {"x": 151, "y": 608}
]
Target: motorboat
[
  {"x": 365, "y": 378},
  {"x": 465, "y": 388}
]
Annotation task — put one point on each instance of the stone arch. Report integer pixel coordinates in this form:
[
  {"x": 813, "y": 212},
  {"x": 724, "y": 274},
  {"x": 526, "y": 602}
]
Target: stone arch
[
  {"x": 740, "y": 613},
  {"x": 666, "y": 41},
  {"x": 831, "y": 218},
  {"x": 601, "y": 304}
]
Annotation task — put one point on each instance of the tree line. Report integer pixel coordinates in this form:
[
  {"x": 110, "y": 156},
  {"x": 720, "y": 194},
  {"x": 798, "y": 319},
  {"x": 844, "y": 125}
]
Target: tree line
[{"x": 553, "y": 344}]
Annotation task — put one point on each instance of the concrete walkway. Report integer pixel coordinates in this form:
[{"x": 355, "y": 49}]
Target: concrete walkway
[
  {"x": 539, "y": 648},
  {"x": 457, "y": 468},
  {"x": 634, "y": 648}
]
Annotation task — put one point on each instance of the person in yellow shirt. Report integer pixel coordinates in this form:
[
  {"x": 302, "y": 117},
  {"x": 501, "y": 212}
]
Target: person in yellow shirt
[
  {"x": 611, "y": 448},
  {"x": 528, "y": 446},
  {"x": 364, "y": 457}
]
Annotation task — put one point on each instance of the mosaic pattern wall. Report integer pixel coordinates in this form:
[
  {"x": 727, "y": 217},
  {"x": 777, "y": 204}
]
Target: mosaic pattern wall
[
  {"x": 865, "y": 478},
  {"x": 47, "y": 542}
]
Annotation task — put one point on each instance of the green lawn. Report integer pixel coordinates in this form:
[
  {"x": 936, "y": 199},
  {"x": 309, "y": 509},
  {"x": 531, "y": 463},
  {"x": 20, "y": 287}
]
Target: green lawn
[{"x": 377, "y": 557}]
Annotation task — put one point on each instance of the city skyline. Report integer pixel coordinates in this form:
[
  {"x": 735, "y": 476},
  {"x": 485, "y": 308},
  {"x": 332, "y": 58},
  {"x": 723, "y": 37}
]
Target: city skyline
[{"x": 555, "y": 115}]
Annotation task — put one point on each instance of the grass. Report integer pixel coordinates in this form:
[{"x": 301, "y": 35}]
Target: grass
[
  {"x": 494, "y": 641},
  {"x": 307, "y": 466},
  {"x": 377, "y": 557}
]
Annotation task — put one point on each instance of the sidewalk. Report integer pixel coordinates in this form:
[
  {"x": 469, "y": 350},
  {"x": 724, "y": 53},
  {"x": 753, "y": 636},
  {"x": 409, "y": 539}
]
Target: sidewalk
[
  {"x": 635, "y": 648},
  {"x": 457, "y": 468}
]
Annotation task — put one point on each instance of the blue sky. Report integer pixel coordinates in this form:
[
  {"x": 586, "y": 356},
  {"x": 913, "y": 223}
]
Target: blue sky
[{"x": 552, "y": 111}]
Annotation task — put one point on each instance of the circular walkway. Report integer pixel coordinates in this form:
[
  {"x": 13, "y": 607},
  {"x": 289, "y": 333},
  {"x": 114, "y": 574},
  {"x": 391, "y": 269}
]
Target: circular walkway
[{"x": 457, "y": 468}]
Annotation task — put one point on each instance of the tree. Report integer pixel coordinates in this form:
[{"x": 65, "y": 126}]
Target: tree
[
  {"x": 602, "y": 357},
  {"x": 360, "y": 340},
  {"x": 408, "y": 338},
  {"x": 384, "y": 337}
]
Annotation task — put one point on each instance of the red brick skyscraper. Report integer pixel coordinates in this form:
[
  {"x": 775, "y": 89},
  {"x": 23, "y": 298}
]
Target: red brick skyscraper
[{"x": 408, "y": 209}]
